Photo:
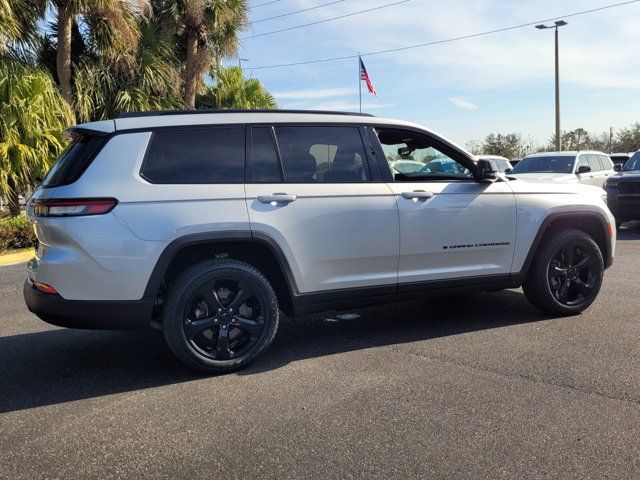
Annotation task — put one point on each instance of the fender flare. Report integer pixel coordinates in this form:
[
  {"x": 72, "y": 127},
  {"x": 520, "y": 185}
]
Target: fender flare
[
  {"x": 246, "y": 236},
  {"x": 544, "y": 227}
]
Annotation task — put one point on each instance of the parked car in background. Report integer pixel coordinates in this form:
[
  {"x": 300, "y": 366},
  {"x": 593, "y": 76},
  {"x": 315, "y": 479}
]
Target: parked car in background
[
  {"x": 503, "y": 165},
  {"x": 588, "y": 167},
  {"x": 620, "y": 158},
  {"x": 623, "y": 191},
  {"x": 407, "y": 166}
]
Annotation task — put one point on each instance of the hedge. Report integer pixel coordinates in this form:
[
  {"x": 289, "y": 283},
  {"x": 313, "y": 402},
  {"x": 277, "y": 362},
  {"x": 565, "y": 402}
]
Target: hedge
[{"x": 16, "y": 232}]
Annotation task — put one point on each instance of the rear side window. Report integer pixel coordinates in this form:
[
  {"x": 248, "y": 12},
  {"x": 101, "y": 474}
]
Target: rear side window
[
  {"x": 204, "y": 155},
  {"x": 594, "y": 163},
  {"x": 322, "y": 154},
  {"x": 264, "y": 160},
  {"x": 73, "y": 161}
]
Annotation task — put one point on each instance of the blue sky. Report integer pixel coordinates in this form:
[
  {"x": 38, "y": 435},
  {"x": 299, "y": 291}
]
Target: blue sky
[{"x": 465, "y": 89}]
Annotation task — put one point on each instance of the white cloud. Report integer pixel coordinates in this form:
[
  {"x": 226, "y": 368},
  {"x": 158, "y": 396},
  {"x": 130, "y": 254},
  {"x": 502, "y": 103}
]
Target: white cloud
[
  {"x": 308, "y": 94},
  {"x": 462, "y": 103}
]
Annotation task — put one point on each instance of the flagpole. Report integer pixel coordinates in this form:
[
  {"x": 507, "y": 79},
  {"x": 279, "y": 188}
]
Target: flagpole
[{"x": 359, "y": 83}]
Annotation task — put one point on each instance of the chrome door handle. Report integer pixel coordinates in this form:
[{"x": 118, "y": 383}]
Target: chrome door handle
[
  {"x": 417, "y": 194},
  {"x": 277, "y": 198}
]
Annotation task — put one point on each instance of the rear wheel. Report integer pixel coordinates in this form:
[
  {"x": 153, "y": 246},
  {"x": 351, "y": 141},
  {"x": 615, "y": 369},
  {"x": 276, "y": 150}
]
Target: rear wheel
[
  {"x": 220, "y": 315},
  {"x": 566, "y": 274}
]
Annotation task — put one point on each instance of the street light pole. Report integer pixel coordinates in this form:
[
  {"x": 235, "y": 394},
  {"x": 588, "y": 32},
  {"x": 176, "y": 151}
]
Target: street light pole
[
  {"x": 240, "y": 60},
  {"x": 558, "y": 24}
]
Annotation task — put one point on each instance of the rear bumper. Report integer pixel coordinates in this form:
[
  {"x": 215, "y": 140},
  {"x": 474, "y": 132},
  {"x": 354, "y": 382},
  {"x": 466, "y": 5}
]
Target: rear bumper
[{"x": 95, "y": 315}]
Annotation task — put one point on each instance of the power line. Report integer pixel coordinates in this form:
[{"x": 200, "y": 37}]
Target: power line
[
  {"x": 327, "y": 20},
  {"x": 298, "y": 11},
  {"x": 266, "y": 3},
  {"x": 448, "y": 40}
]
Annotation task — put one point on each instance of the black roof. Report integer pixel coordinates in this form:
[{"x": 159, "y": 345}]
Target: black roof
[{"x": 152, "y": 113}]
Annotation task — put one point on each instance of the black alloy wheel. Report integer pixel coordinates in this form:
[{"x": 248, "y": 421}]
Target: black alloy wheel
[{"x": 572, "y": 274}]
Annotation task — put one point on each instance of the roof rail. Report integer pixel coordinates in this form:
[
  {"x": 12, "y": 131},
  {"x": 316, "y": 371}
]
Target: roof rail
[{"x": 152, "y": 113}]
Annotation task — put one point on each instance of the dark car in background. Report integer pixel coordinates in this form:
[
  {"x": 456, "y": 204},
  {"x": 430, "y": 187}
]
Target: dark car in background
[
  {"x": 620, "y": 158},
  {"x": 623, "y": 191}
]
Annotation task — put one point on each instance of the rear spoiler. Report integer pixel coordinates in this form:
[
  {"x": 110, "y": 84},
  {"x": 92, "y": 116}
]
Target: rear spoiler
[{"x": 95, "y": 129}]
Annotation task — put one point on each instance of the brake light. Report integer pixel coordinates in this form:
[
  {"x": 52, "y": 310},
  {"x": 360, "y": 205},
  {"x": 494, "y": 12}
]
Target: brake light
[{"x": 73, "y": 207}]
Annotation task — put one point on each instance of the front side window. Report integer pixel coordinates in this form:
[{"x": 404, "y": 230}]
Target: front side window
[
  {"x": 633, "y": 163},
  {"x": 545, "y": 164},
  {"x": 606, "y": 162},
  {"x": 202, "y": 155},
  {"x": 322, "y": 154},
  {"x": 415, "y": 157}
]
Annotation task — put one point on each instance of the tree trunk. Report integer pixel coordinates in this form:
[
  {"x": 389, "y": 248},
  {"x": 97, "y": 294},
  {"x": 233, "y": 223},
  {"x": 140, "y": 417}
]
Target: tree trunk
[
  {"x": 12, "y": 200},
  {"x": 63, "y": 58},
  {"x": 191, "y": 74}
]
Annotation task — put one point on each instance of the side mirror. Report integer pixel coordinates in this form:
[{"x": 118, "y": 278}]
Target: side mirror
[
  {"x": 487, "y": 171},
  {"x": 507, "y": 171},
  {"x": 617, "y": 167},
  {"x": 583, "y": 169}
]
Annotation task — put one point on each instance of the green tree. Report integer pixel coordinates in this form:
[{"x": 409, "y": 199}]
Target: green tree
[
  {"x": 18, "y": 21},
  {"x": 32, "y": 118},
  {"x": 206, "y": 30},
  {"x": 509, "y": 146},
  {"x": 233, "y": 91},
  {"x": 628, "y": 139}
]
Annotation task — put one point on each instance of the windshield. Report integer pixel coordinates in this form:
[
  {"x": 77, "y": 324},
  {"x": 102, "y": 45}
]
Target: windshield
[
  {"x": 546, "y": 164},
  {"x": 633, "y": 163}
]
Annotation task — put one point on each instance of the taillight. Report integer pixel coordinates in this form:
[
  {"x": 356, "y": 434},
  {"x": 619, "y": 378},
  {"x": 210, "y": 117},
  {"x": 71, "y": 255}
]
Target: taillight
[
  {"x": 73, "y": 207},
  {"x": 43, "y": 287}
]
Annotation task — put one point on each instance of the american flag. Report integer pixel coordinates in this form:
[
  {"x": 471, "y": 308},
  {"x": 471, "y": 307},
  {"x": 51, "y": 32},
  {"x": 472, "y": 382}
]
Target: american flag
[{"x": 365, "y": 76}]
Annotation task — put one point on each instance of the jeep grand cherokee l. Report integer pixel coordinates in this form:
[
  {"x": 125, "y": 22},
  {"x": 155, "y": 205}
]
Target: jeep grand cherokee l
[{"x": 210, "y": 224}]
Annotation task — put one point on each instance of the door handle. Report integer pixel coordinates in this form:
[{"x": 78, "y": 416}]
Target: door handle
[
  {"x": 417, "y": 195},
  {"x": 277, "y": 198}
]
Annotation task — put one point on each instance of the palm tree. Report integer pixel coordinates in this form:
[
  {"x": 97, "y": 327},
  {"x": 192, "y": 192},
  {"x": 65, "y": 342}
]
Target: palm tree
[
  {"x": 33, "y": 116},
  {"x": 18, "y": 21},
  {"x": 233, "y": 91},
  {"x": 206, "y": 30},
  {"x": 111, "y": 25}
]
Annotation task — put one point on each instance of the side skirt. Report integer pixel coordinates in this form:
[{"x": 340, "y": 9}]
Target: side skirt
[{"x": 346, "y": 299}]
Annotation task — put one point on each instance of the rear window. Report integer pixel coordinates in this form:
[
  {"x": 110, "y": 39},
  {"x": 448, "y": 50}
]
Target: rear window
[
  {"x": 73, "y": 161},
  {"x": 545, "y": 164},
  {"x": 205, "y": 155}
]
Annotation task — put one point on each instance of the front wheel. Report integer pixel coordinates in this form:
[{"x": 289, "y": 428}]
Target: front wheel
[
  {"x": 219, "y": 315},
  {"x": 566, "y": 274}
]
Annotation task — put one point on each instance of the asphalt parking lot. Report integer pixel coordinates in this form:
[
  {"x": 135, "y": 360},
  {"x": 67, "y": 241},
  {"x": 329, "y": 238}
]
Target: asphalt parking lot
[{"x": 482, "y": 386}]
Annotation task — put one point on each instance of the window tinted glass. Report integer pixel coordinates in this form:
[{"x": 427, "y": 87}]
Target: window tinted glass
[
  {"x": 73, "y": 161},
  {"x": 211, "y": 155},
  {"x": 633, "y": 163},
  {"x": 594, "y": 163},
  {"x": 412, "y": 157},
  {"x": 545, "y": 164},
  {"x": 264, "y": 159},
  {"x": 605, "y": 162},
  {"x": 322, "y": 154}
]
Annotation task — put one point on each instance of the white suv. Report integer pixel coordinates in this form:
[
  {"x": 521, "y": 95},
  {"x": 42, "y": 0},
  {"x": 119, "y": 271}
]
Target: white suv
[
  {"x": 588, "y": 167},
  {"x": 209, "y": 224}
]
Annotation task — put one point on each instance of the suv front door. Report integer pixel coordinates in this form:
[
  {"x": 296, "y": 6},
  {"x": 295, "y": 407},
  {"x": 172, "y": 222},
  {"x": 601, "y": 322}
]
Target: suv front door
[
  {"x": 312, "y": 190},
  {"x": 451, "y": 227}
]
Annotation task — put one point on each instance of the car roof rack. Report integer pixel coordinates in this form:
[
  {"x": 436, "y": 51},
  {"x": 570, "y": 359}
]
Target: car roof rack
[{"x": 152, "y": 113}]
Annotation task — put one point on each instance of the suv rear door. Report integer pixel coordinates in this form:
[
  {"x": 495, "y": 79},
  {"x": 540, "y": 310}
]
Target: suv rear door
[
  {"x": 451, "y": 227},
  {"x": 313, "y": 190}
]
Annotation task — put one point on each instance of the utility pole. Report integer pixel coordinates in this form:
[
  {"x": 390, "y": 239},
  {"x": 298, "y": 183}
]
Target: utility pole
[
  {"x": 558, "y": 24},
  {"x": 359, "y": 83},
  {"x": 610, "y": 140}
]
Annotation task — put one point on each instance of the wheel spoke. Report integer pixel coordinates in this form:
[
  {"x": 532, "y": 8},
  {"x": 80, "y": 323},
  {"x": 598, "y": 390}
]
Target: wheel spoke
[
  {"x": 210, "y": 296},
  {"x": 564, "y": 291},
  {"x": 252, "y": 327},
  {"x": 584, "y": 288},
  {"x": 584, "y": 263},
  {"x": 567, "y": 250},
  {"x": 222, "y": 347},
  {"x": 192, "y": 328},
  {"x": 243, "y": 294}
]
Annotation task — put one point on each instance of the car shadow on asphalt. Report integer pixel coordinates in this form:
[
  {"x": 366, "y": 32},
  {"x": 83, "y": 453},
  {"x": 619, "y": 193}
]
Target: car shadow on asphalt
[{"x": 62, "y": 365}]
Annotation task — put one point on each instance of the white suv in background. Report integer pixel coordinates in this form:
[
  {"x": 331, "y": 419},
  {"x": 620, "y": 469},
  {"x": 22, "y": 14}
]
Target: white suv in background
[
  {"x": 588, "y": 167},
  {"x": 209, "y": 224}
]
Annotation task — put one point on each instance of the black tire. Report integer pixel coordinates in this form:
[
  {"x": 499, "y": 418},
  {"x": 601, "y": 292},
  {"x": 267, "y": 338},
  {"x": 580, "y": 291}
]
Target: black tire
[
  {"x": 200, "y": 325},
  {"x": 562, "y": 289}
]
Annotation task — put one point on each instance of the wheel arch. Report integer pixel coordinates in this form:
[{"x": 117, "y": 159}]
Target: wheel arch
[
  {"x": 260, "y": 251},
  {"x": 592, "y": 223}
]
